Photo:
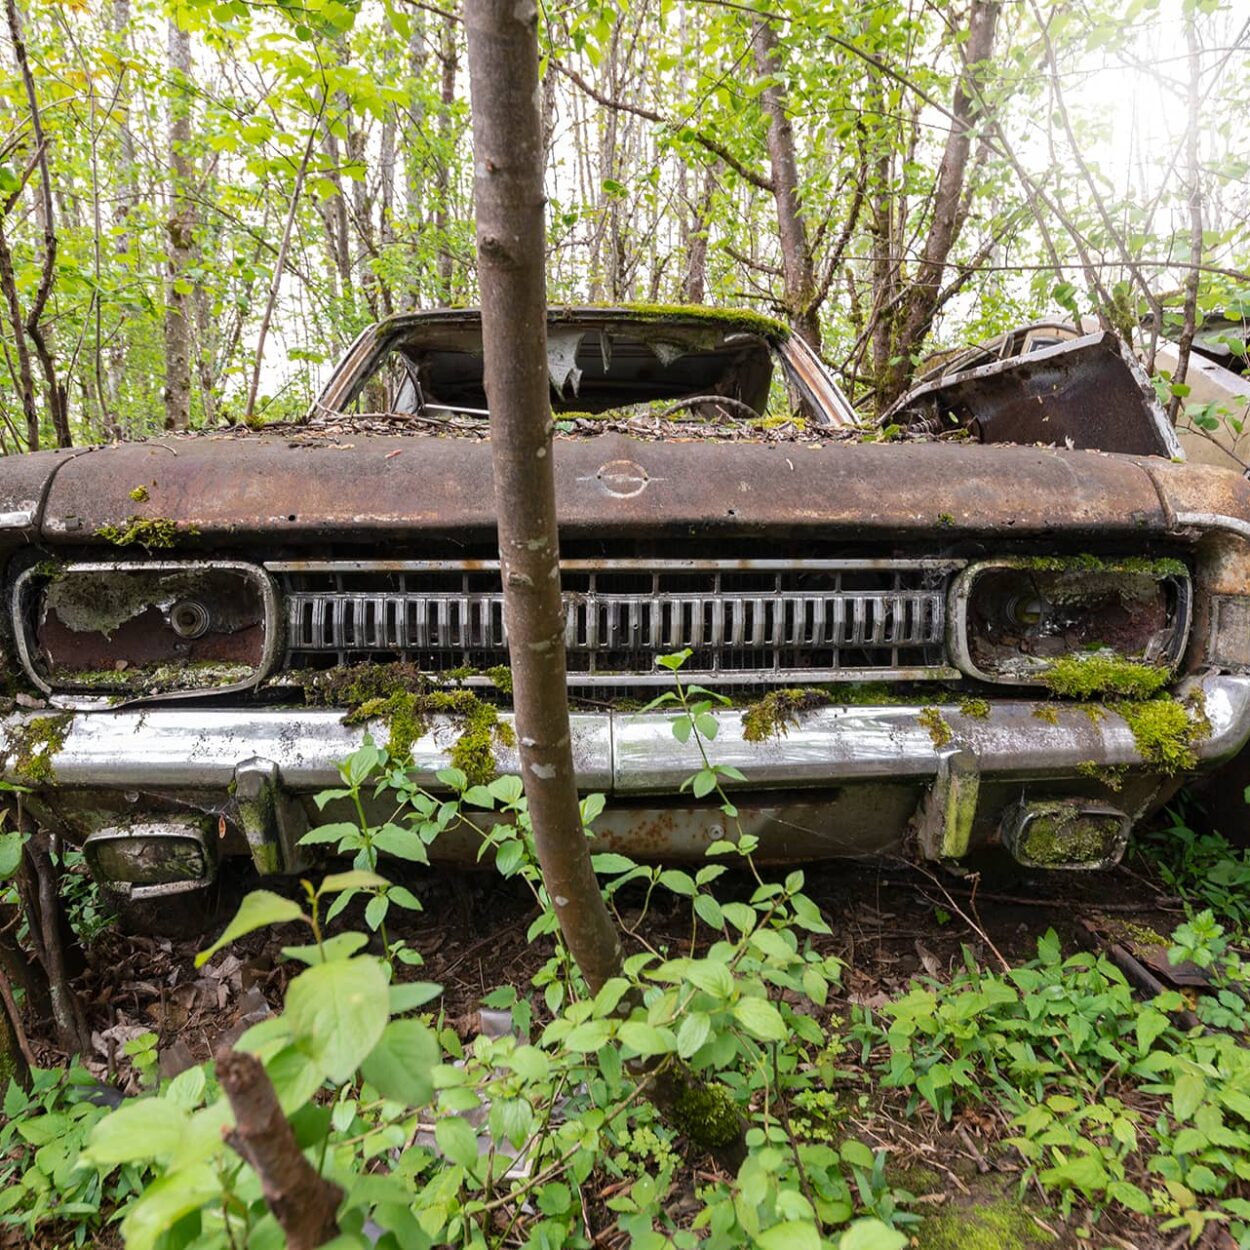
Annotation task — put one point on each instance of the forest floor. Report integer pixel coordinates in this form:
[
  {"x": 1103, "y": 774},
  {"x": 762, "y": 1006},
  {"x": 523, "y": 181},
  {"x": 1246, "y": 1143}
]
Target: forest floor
[{"x": 891, "y": 923}]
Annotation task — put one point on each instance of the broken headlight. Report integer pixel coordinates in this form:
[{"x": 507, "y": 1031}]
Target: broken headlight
[
  {"x": 146, "y": 629},
  {"x": 1011, "y": 620}
]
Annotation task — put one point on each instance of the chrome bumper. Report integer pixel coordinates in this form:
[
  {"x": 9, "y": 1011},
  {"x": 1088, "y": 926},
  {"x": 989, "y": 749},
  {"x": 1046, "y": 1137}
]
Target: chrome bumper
[{"x": 618, "y": 753}]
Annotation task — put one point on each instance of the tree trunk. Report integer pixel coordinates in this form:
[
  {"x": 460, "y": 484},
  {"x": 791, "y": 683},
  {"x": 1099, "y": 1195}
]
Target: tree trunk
[
  {"x": 25, "y": 375},
  {"x": 180, "y": 229},
  {"x": 1194, "y": 170},
  {"x": 56, "y": 394},
  {"x": 508, "y": 164},
  {"x": 799, "y": 273},
  {"x": 915, "y": 312},
  {"x": 446, "y": 264}
]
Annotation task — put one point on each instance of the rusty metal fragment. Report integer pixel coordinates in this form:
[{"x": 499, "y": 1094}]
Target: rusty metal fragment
[{"x": 1087, "y": 393}]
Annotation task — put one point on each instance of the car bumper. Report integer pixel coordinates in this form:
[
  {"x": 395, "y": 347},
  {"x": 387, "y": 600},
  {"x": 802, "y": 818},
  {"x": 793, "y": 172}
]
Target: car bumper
[
  {"x": 621, "y": 753},
  {"x": 840, "y": 780}
]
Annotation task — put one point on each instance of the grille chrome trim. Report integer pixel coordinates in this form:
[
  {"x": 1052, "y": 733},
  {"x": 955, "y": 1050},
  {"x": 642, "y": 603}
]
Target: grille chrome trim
[
  {"x": 747, "y": 621},
  {"x": 611, "y": 565}
]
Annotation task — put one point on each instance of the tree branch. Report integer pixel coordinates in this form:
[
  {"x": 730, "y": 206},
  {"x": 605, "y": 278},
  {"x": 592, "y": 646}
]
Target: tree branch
[
  {"x": 703, "y": 139},
  {"x": 302, "y": 1202}
]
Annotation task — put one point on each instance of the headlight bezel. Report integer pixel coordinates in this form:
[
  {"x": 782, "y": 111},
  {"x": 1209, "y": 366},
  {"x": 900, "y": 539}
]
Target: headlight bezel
[
  {"x": 33, "y": 580},
  {"x": 964, "y": 585}
]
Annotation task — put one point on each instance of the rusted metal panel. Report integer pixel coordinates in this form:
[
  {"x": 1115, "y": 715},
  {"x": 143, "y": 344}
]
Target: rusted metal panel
[
  {"x": 1087, "y": 393},
  {"x": 219, "y": 489},
  {"x": 23, "y": 484}
]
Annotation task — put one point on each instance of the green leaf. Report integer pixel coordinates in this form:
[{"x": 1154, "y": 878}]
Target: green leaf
[
  {"x": 10, "y": 853},
  {"x": 330, "y": 833},
  {"x": 258, "y": 909},
  {"x": 338, "y": 1011},
  {"x": 646, "y": 1039},
  {"x": 511, "y": 1119},
  {"x": 507, "y": 789},
  {"x": 356, "y": 879},
  {"x": 856, "y": 1154},
  {"x": 341, "y": 946},
  {"x": 710, "y": 976},
  {"x": 1150, "y": 1024},
  {"x": 411, "y": 995},
  {"x": 704, "y": 783},
  {"x": 709, "y": 911},
  {"x": 457, "y": 1140},
  {"x": 1085, "y": 1173},
  {"x": 871, "y": 1235},
  {"x": 695, "y": 1029},
  {"x": 611, "y": 863},
  {"x": 402, "y": 843},
  {"x": 165, "y": 1201},
  {"x": 588, "y": 1036},
  {"x": 296, "y": 1077},
  {"x": 399, "y": 1065},
  {"x": 375, "y": 910},
  {"x": 790, "y": 1235},
  {"x": 1187, "y": 1094},
  {"x": 145, "y": 1128},
  {"x": 761, "y": 1019}
]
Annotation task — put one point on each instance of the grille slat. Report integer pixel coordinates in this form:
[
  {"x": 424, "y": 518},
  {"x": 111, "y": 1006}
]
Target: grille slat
[{"x": 745, "y": 624}]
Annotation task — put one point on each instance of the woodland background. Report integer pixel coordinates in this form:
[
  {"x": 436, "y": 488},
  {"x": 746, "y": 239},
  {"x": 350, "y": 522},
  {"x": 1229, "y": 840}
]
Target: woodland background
[{"x": 202, "y": 203}]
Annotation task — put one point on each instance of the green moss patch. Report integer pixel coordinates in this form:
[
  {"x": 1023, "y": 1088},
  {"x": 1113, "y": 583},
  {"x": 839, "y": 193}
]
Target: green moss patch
[
  {"x": 1137, "y": 565},
  {"x": 144, "y": 531},
  {"x": 708, "y": 1115},
  {"x": 33, "y": 747},
  {"x": 978, "y": 709},
  {"x": 772, "y": 716},
  {"x": 1060, "y": 836},
  {"x": 401, "y": 696},
  {"x": 1000, "y": 1225},
  {"x": 1165, "y": 731},
  {"x": 1087, "y": 676},
  {"x": 732, "y": 318},
  {"x": 940, "y": 731}
]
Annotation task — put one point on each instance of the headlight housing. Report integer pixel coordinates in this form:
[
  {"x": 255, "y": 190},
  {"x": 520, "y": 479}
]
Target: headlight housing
[
  {"x": 1011, "y": 620},
  {"x": 141, "y": 628}
]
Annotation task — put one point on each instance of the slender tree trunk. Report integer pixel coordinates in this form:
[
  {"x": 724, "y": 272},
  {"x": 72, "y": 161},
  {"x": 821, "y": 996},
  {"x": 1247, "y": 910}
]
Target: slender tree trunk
[
  {"x": 446, "y": 263},
  {"x": 25, "y": 374},
  {"x": 56, "y": 394},
  {"x": 915, "y": 312},
  {"x": 798, "y": 270},
  {"x": 1194, "y": 171},
  {"x": 180, "y": 230},
  {"x": 508, "y": 164}
]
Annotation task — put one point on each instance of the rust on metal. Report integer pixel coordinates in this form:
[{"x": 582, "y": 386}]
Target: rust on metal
[
  {"x": 229, "y": 489},
  {"x": 1086, "y": 393}
]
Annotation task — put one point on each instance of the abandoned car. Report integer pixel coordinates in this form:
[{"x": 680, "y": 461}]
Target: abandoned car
[{"x": 932, "y": 645}]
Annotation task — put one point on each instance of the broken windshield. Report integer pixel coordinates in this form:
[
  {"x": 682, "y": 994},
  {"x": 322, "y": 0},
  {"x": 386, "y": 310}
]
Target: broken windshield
[{"x": 434, "y": 374}]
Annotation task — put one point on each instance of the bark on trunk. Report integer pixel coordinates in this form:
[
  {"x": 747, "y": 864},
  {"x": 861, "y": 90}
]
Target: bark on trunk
[
  {"x": 446, "y": 263},
  {"x": 508, "y": 163},
  {"x": 56, "y": 394},
  {"x": 916, "y": 311},
  {"x": 798, "y": 270},
  {"x": 1194, "y": 170},
  {"x": 180, "y": 229},
  {"x": 303, "y": 1203},
  {"x": 25, "y": 375}
]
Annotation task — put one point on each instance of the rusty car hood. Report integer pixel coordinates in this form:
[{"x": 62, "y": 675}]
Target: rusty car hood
[{"x": 230, "y": 489}]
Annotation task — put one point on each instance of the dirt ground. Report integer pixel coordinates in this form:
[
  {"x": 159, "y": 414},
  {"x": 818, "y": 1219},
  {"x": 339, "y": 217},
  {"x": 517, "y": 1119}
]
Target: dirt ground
[{"x": 890, "y": 921}]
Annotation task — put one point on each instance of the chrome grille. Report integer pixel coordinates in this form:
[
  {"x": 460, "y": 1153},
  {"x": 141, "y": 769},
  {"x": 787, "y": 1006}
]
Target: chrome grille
[{"x": 761, "y": 621}]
